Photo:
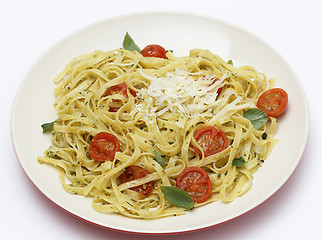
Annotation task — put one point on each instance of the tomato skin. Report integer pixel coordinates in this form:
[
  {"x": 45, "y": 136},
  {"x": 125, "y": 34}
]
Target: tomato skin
[
  {"x": 135, "y": 172},
  {"x": 103, "y": 147},
  {"x": 133, "y": 93},
  {"x": 211, "y": 140},
  {"x": 196, "y": 182},
  {"x": 154, "y": 50},
  {"x": 118, "y": 89},
  {"x": 273, "y": 102}
]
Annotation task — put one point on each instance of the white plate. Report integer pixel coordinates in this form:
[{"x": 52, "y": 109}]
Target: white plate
[{"x": 179, "y": 32}]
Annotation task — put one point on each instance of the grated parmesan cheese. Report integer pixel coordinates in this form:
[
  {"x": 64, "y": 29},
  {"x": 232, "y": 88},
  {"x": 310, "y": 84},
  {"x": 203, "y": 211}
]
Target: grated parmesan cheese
[{"x": 178, "y": 92}]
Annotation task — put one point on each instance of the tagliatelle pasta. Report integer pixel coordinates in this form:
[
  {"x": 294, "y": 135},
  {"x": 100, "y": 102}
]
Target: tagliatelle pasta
[{"x": 165, "y": 103}]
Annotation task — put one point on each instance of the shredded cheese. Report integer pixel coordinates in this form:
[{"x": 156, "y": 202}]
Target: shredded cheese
[{"x": 178, "y": 92}]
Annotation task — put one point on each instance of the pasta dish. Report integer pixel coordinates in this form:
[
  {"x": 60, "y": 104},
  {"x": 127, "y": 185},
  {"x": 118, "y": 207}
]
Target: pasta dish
[{"x": 149, "y": 137}]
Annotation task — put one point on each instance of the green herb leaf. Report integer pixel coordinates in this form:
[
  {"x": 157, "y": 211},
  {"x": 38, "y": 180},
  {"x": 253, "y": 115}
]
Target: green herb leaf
[
  {"x": 256, "y": 116},
  {"x": 230, "y": 62},
  {"x": 177, "y": 197},
  {"x": 239, "y": 162},
  {"x": 47, "y": 126},
  {"x": 129, "y": 44},
  {"x": 158, "y": 158}
]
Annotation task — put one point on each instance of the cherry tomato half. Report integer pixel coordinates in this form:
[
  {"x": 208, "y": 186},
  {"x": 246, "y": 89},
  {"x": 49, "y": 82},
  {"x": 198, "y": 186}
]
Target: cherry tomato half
[
  {"x": 118, "y": 89},
  {"x": 273, "y": 102},
  {"x": 103, "y": 147},
  {"x": 196, "y": 182},
  {"x": 154, "y": 50},
  {"x": 134, "y": 172},
  {"x": 211, "y": 140}
]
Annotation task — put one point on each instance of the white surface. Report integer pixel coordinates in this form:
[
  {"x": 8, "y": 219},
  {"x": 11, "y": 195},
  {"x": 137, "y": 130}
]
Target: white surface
[
  {"x": 231, "y": 43},
  {"x": 29, "y": 28}
]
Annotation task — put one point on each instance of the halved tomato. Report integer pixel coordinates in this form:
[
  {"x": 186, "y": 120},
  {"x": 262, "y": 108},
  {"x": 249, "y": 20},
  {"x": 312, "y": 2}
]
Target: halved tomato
[
  {"x": 211, "y": 140},
  {"x": 103, "y": 147},
  {"x": 154, "y": 50},
  {"x": 118, "y": 89},
  {"x": 135, "y": 172},
  {"x": 196, "y": 182},
  {"x": 273, "y": 102}
]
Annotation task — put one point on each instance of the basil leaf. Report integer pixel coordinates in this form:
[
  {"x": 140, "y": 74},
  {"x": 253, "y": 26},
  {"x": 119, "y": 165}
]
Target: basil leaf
[
  {"x": 230, "y": 62},
  {"x": 239, "y": 162},
  {"x": 177, "y": 197},
  {"x": 129, "y": 44},
  {"x": 158, "y": 158},
  {"x": 47, "y": 126},
  {"x": 256, "y": 116}
]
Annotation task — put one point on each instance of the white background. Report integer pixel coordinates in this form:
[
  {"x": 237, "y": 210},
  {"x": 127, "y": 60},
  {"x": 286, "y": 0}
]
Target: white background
[{"x": 293, "y": 28}]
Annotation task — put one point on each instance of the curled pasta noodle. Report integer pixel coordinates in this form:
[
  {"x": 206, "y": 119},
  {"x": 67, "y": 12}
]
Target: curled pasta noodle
[{"x": 146, "y": 121}]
